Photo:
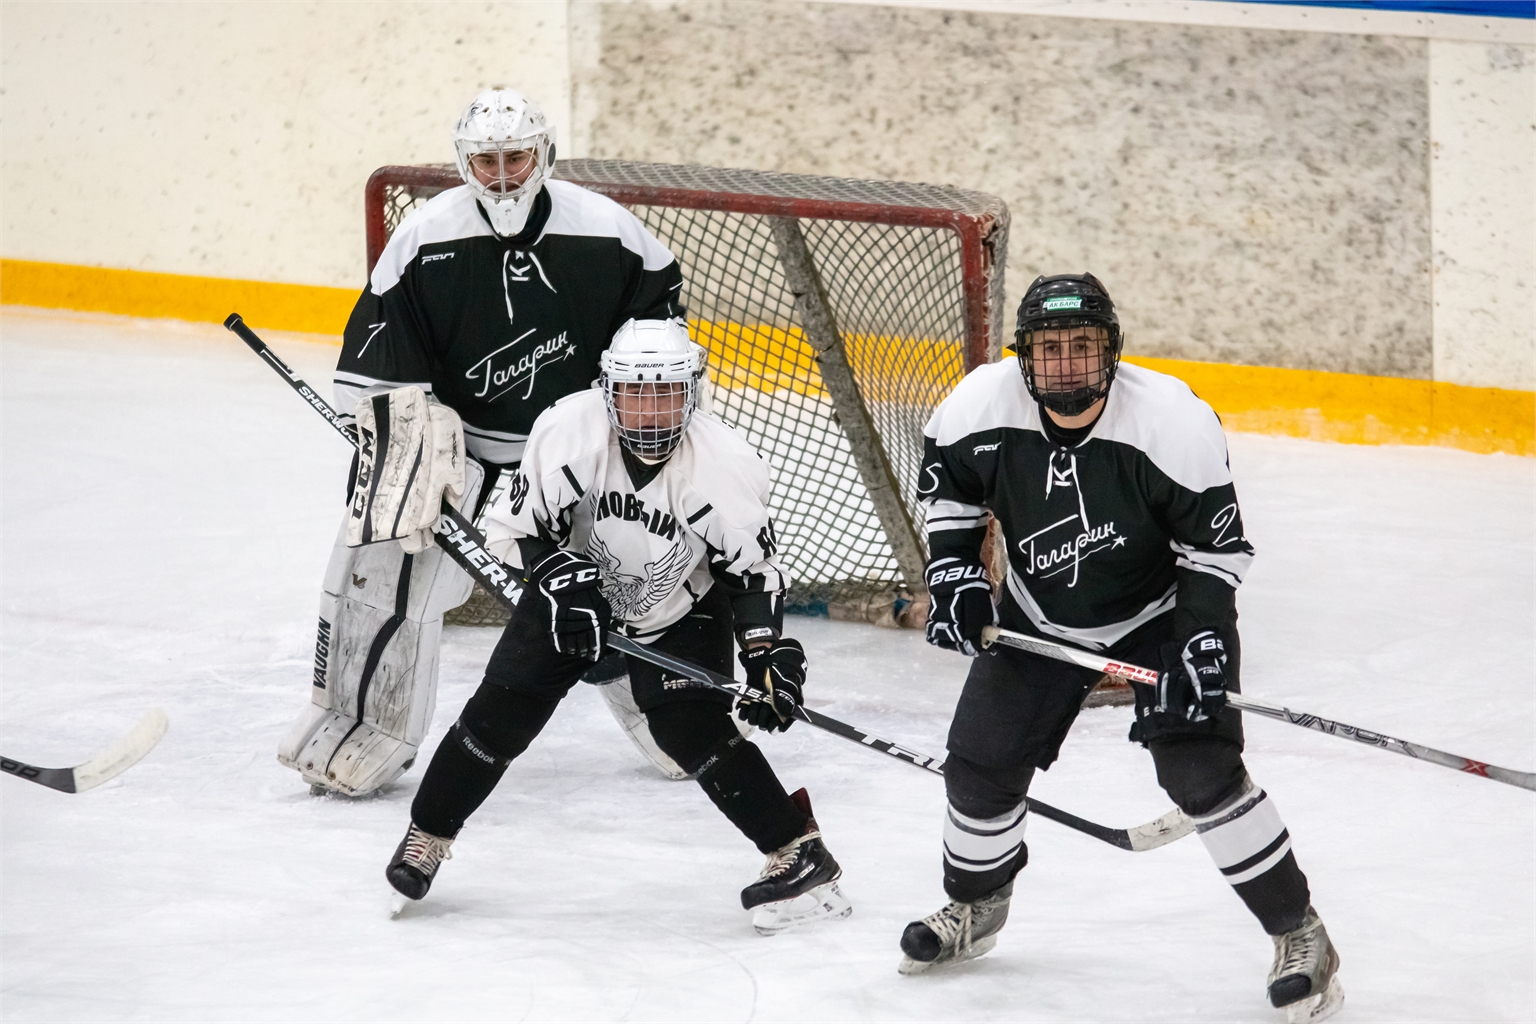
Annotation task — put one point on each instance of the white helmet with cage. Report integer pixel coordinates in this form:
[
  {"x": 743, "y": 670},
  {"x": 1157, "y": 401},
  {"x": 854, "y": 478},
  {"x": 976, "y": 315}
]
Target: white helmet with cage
[
  {"x": 497, "y": 136},
  {"x": 651, "y": 378}
]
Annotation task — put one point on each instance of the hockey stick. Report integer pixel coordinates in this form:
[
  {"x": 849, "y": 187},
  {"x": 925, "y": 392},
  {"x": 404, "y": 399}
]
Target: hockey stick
[
  {"x": 107, "y": 765},
  {"x": 463, "y": 543},
  {"x": 1137, "y": 674}
]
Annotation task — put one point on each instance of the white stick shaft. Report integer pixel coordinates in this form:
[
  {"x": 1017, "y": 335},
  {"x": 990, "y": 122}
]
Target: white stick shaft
[{"x": 1138, "y": 674}]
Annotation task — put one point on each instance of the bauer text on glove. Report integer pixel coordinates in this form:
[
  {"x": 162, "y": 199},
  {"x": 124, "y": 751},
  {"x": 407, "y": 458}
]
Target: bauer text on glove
[
  {"x": 1193, "y": 682},
  {"x": 960, "y": 603}
]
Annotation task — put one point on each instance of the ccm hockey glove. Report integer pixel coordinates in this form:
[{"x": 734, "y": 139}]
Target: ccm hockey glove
[
  {"x": 779, "y": 670},
  {"x": 1193, "y": 683},
  {"x": 959, "y": 604},
  {"x": 578, "y": 613}
]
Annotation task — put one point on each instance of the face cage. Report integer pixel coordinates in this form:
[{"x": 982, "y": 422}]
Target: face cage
[
  {"x": 1077, "y": 400},
  {"x": 499, "y": 192},
  {"x": 651, "y": 442}
]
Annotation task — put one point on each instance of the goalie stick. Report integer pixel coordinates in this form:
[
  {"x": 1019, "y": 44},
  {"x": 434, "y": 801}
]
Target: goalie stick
[
  {"x": 1381, "y": 741},
  {"x": 457, "y": 535},
  {"x": 107, "y": 765}
]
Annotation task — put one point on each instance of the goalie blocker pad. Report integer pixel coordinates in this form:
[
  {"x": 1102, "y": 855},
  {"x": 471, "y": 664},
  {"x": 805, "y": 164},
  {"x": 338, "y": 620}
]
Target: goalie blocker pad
[
  {"x": 410, "y": 457},
  {"x": 374, "y": 687}
]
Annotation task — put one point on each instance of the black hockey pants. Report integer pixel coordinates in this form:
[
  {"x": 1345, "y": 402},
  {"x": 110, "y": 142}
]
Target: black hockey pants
[
  {"x": 1013, "y": 715},
  {"x": 524, "y": 683}
]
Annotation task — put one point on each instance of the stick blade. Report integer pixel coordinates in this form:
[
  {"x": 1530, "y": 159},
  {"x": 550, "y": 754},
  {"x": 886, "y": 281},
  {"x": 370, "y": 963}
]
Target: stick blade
[
  {"x": 123, "y": 754},
  {"x": 1173, "y": 826}
]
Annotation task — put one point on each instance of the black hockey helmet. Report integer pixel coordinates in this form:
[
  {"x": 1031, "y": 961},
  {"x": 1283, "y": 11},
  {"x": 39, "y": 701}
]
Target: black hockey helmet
[{"x": 1058, "y": 381}]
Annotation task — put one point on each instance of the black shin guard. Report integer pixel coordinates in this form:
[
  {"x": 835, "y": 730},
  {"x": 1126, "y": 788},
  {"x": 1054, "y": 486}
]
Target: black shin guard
[
  {"x": 496, "y": 726},
  {"x": 739, "y": 781}
]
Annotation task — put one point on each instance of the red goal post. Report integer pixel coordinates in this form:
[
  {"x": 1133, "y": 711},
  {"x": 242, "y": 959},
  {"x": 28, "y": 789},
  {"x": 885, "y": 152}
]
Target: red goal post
[{"x": 836, "y": 313}]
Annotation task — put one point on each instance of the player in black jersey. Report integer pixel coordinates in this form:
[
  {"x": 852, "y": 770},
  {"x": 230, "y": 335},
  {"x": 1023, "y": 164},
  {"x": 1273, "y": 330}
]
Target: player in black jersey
[
  {"x": 1114, "y": 497},
  {"x": 492, "y": 301}
]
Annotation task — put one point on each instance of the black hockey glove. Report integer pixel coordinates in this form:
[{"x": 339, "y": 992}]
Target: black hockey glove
[
  {"x": 959, "y": 605},
  {"x": 1193, "y": 683},
  {"x": 578, "y": 612},
  {"x": 778, "y": 669}
]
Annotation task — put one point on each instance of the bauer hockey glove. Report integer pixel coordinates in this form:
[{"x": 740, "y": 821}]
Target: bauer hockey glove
[
  {"x": 1193, "y": 683},
  {"x": 779, "y": 670},
  {"x": 959, "y": 604},
  {"x": 578, "y": 613}
]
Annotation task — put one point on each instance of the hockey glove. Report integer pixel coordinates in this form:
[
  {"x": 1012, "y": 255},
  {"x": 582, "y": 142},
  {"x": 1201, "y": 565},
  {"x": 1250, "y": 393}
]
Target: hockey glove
[
  {"x": 1193, "y": 683},
  {"x": 960, "y": 604},
  {"x": 578, "y": 613},
  {"x": 412, "y": 457},
  {"x": 779, "y": 671}
]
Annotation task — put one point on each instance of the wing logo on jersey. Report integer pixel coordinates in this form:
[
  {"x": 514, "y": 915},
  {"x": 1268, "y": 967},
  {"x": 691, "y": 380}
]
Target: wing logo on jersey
[{"x": 631, "y": 596}]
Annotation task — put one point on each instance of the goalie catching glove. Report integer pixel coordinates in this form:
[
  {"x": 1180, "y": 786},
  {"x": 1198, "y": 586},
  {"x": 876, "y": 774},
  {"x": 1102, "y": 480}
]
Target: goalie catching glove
[
  {"x": 1193, "y": 683},
  {"x": 578, "y": 613},
  {"x": 777, "y": 669},
  {"x": 960, "y": 603},
  {"x": 410, "y": 457}
]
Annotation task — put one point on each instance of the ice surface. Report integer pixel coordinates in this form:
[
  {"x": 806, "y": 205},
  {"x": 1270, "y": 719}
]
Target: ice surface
[{"x": 168, "y": 504}]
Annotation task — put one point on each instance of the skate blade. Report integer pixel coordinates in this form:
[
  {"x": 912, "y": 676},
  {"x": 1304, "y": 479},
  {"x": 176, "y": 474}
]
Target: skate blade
[
  {"x": 397, "y": 903},
  {"x": 824, "y": 901},
  {"x": 909, "y": 966},
  {"x": 1317, "y": 1008}
]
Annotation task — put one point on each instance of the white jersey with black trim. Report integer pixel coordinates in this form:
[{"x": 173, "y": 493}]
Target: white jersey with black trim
[
  {"x": 1096, "y": 532},
  {"x": 702, "y": 520}
]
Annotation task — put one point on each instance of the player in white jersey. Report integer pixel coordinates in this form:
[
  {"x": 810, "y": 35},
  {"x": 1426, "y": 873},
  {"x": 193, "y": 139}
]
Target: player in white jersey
[{"x": 634, "y": 511}]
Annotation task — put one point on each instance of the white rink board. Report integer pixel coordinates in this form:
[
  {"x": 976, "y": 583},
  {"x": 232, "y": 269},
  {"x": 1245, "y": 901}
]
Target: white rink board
[{"x": 168, "y": 504}]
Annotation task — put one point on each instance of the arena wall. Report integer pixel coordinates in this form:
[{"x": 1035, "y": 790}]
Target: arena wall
[{"x": 1338, "y": 197}]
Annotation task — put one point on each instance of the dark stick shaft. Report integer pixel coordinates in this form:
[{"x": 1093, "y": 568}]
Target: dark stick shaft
[{"x": 466, "y": 546}]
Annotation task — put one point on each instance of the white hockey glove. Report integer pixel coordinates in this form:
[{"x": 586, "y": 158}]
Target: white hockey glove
[
  {"x": 411, "y": 457},
  {"x": 959, "y": 604},
  {"x": 1193, "y": 683}
]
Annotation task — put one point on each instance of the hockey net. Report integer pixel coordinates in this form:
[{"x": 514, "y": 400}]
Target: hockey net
[{"x": 837, "y": 313}]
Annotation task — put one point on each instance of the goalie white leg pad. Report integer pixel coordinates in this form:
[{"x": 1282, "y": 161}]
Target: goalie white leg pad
[{"x": 376, "y": 653}]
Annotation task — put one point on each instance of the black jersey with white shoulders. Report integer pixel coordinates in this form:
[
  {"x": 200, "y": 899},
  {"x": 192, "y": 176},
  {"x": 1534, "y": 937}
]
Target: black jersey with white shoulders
[
  {"x": 1104, "y": 535},
  {"x": 500, "y": 328},
  {"x": 663, "y": 535}
]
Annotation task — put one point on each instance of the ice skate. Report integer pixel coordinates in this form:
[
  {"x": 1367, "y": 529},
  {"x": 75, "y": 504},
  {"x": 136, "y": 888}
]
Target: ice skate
[
  {"x": 798, "y": 883},
  {"x": 958, "y": 932},
  {"x": 1304, "y": 979},
  {"x": 415, "y": 863}
]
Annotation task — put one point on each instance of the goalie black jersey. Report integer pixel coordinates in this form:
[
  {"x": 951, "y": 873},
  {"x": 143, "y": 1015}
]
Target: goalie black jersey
[
  {"x": 700, "y": 520},
  {"x": 499, "y": 329},
  {"x": 1102, "y": 536}
]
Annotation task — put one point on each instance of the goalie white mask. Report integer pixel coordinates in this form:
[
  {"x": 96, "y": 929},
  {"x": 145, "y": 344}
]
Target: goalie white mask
[
  {"x": 505, "y": 151},
  {"x": 651, "y": 380}
]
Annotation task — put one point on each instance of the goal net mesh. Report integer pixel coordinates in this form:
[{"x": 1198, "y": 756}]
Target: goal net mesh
[{"x": 913, "y": 277}]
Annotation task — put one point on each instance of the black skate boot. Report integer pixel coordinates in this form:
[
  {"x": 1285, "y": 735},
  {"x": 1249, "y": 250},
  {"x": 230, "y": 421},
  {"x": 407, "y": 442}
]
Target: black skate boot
[
  {"x": 415, "y": 864},
  {"x": 958, "y": 932},
  {"x": 1304, "y": 979},
  {"x": 798, "y": 883}
]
